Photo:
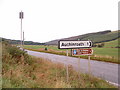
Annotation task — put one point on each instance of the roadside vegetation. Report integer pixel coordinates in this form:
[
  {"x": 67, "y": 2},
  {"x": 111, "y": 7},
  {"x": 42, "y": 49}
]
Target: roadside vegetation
[{"x": 19, "y": 70}]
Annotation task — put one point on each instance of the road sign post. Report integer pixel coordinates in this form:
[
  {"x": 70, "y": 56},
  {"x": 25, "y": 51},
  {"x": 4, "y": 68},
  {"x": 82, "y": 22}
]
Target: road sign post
[
  {"x": 79, "y": 66},
  {"x": 89, "y": 68},
  {"x": 67, "y": 67},
  {"x": 75, "y": 46},
  {"x": 78, "y": 52}
]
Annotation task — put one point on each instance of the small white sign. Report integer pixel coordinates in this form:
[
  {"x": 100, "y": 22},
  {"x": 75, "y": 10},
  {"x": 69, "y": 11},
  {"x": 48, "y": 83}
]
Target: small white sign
[{"x": 74, "y": 44}]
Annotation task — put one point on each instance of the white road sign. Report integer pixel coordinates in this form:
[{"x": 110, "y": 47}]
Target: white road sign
[{"x": 74, "y": 44}]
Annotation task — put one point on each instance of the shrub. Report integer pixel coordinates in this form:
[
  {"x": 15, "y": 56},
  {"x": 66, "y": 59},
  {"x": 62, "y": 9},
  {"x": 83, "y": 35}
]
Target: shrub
[
  {"x": 94, "y": 45},
  {"x": 11, "y": 52},
  {"x": 15, "y": 51},
  {"x": 117, "y": 47},
  {"x": 101, "y": 45}
]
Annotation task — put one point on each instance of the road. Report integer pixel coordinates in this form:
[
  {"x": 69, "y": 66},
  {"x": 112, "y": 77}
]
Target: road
[{"x": 104, "y": 70}]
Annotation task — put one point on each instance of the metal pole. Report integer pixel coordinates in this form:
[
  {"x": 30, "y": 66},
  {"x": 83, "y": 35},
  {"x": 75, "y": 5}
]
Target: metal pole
[
  {"x": 23, "y": 40},
  {"x": 21, "y": 15},
  {"x": 21, "y": 32}
]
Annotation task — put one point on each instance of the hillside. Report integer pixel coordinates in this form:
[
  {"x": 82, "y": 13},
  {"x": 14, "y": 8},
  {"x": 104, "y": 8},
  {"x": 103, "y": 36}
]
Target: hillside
[
  {"x": 18, "y": 42},
  {"x": 96, "y": 37}
]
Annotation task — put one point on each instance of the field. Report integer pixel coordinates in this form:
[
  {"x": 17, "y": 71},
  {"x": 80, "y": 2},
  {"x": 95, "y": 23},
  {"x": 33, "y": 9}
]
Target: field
[
  {"x": 43, "y": 47},
  {"x": 102, "y": 54},
  {"x": 108, "y": 52},
  {"x": 113, "y": 52},
  {"x": 112, "y": 44}
]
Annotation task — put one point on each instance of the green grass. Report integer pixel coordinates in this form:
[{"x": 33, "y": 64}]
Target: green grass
[
  {"x": 53, "y": 47},
  {"x": 44, "y": 74},
  {"x": 110, "y": 52},
  {"x": 113, "y": 52},
  {"x": 100, "y": 50},
  {"x": 101, "y": 54},
  {"x": 112, "y": 44}
]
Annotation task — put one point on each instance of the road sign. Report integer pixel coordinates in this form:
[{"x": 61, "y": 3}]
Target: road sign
[
  {"x": 82, "y": 52},
  {"x": 62, "y": 44}
]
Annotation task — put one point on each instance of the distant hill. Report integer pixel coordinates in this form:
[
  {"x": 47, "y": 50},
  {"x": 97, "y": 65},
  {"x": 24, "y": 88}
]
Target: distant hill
[
  {"x": 96, "y": 37},
  {"x": 18, "y": 42}
]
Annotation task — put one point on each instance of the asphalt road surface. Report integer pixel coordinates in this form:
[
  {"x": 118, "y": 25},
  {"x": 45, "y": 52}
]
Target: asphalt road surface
[{"x": 104, "y": 70}]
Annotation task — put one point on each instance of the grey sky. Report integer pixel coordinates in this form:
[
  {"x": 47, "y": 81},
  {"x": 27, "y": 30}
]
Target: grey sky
[{"x": 46, "y": 20}]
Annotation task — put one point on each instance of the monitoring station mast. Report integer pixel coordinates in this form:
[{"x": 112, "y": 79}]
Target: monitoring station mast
[{"x": 21, "y": 16}]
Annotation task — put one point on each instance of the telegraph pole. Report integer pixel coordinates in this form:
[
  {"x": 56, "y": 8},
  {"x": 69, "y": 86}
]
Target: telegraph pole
[
  {"x": 21, "y": 15},
  {"x": 23, "y": 40}
]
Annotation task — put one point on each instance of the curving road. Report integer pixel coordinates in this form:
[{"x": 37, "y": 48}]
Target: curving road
[{"x": 104, "y": 70}]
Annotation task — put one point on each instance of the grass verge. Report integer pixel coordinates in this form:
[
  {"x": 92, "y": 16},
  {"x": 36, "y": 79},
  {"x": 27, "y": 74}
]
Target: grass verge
[{"x": 45, "y": 74}]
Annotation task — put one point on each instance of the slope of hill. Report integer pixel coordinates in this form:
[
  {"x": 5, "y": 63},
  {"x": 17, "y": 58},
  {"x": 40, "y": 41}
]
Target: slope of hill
[
  {"x": 96, "y": 37},
  {"x": 18, "y": 42}
]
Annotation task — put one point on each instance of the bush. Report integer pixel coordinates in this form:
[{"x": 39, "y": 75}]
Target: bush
[
  {"x": 117, "y": 47},
  {"x": 101, "y": 45},
  {"x": 15, "y": 51},
  {"x": 15, "y": 54},
  {"x": 94, "y": 45},
  {"x": 46, "y": 49}
]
